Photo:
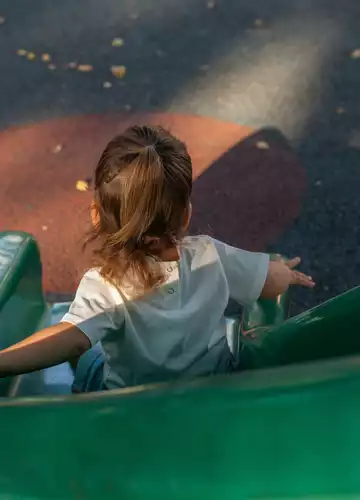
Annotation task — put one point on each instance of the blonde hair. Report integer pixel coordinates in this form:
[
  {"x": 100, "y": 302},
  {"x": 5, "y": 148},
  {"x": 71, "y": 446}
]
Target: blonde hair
[{"x": 143, "y": 184}]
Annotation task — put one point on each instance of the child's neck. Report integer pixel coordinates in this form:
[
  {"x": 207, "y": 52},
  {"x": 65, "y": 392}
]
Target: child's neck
[{"x": 169, "y": 254}]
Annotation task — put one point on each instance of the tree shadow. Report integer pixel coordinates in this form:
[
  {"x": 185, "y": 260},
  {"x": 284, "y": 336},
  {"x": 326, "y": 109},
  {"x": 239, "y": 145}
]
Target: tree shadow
[{"x": 249, "y": 195}]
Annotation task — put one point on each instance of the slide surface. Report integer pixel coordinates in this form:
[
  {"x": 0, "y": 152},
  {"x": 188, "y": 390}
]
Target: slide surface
[{"x": 274, "y": 432}]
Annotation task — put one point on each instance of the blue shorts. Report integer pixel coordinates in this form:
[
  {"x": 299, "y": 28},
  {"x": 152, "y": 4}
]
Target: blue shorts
[{"x": 89, "y": 374}]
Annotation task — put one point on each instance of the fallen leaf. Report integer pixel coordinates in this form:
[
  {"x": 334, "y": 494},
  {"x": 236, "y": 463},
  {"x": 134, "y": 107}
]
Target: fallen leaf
[
  {"x": 117, "y": 42},
  {"x": 2, "y": 20},
  {"x": 21, "y": 52},
  {"x": 134, "y": 16},
  {"x": 82, "y": 186},
  {"x": 31, "y": 56},
  {"x": 258, "y": 22},
  {"x": 107, "y": 85},
  {"x": 52, "y": 67},
  {"x": 118, "y": 71},
  {"x": 58, "y": 148},
  {"x": 262, "y": 145},
  {"x": 46, "y": 57},
  {"x": 127, "y": 107},
  {"x": 85, "y": 68},
  {"x": 44, "y": 228},
  {"x": 72, "y": 65},
  {"x": 340, "y": 110},
  {"x": 355, "y": 54},
  {"x": 210, "y": 4},
  {"x": 204, "y": 67}
]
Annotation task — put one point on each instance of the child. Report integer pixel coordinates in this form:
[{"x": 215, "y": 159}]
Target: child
[{"x": 154, "y": 302}]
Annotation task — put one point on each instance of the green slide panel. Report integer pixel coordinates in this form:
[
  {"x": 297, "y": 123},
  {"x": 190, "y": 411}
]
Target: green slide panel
[
  {"x": 22, "y": 305},
  {"x": 269, "y": 432}
]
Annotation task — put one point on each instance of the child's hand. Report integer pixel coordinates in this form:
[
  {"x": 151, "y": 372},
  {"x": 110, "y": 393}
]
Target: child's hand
[
  {"x": 281, "y": 274},
  {"x": 298, "y": 278}
]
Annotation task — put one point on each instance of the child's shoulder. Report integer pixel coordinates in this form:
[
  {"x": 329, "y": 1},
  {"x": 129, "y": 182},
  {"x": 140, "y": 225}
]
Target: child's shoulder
[
  {"x": 202, "y": 241},
  {"x": 93, "y": 283},
  {"x": 199, "y": 245},
  {"x": 93, "y": 276},
  {"x": 197, "y": 242}
]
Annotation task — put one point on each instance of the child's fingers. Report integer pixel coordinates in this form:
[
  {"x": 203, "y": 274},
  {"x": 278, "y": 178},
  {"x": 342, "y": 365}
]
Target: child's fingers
[
  {"x": 277, "y": 257},
  {"x": 293, "y": 262},
  {"x": 302, "y": 279}
]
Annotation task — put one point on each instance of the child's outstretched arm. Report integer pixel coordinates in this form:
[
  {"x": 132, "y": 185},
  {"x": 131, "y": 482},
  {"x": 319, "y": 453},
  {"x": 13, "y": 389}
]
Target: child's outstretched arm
[
  {"x": 281, "y": 274},
  {"x": 48, "y": 347}
]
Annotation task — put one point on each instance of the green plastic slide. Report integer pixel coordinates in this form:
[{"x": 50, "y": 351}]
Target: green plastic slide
[{"x": 285, "y": 427}]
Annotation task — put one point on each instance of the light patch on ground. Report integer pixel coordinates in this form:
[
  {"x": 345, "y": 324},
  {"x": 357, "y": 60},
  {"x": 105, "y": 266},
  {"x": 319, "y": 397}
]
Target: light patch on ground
[{"x": 274, "y": 82}]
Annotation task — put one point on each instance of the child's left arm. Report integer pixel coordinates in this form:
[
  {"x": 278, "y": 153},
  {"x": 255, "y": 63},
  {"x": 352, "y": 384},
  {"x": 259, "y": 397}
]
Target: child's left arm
[{"x": 48, "y": 347}]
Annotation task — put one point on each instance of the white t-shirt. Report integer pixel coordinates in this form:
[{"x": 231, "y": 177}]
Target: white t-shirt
[{"x": 176, "y": 330}]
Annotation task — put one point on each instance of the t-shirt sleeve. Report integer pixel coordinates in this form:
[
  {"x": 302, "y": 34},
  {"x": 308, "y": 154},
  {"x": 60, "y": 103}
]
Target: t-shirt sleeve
[
  {"x": 97, "y": 308},
  {"x": 245, "y": 272}
]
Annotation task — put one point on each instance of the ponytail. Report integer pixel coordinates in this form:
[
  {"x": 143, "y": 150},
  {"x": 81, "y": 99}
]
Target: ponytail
[{"x": 142, "y": 192}]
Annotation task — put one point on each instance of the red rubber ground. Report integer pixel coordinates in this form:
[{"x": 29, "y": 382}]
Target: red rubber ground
[{"x": 248, "y": 188}]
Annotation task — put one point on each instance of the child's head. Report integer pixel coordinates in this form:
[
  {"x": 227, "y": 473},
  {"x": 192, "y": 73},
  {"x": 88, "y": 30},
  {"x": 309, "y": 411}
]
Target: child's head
[{"x": 141, "y": 204}]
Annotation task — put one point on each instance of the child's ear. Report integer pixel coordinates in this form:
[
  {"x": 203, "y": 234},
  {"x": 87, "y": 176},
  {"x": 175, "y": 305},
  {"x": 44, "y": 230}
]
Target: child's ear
[{"x": 94, "y": 214}]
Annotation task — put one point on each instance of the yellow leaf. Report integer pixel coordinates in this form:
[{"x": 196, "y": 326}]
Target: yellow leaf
[
  {"x": 258, "y": 22},
  {"x": 118, "y": 71},
  {"x": 117, "y": 42},
  {"x": 45, "y": 57},
  {"x": 31, "y": 56},
  {"x": 85, "y": 68},
  {"x": 262, "y": 145},
  {"x": 355, "y": 54},
  {"x": 340, "y": 110},
  {"x": 21, "y": 52},
  {"x": 82, "y": 186}
]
